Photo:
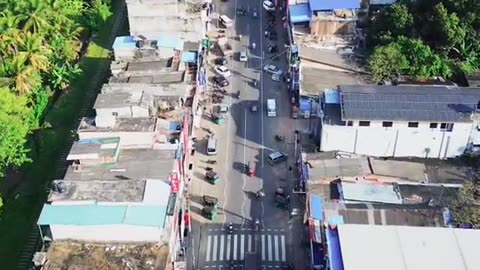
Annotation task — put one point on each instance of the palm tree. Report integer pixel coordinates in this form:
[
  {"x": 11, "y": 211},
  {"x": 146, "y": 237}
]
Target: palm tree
[
  {"x": 35, "y": 16},
  {"x": 16, "y": 74},
  {"x": 36, "y": 54}
]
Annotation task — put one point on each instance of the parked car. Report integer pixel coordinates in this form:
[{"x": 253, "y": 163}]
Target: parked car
[
  {"x": 271, "y": 69},
  {"x": 276, "y": 77},
  {"x": 222, "y": 70},
  {"x": 277, "y": 157},
  {"x": 221, "y": 61},
  {"x": 220, "y": 81},
  {"x": 268, "y": 5},
  {"x": 243, "y": 56},
  {"x": 272, "y": 48}
]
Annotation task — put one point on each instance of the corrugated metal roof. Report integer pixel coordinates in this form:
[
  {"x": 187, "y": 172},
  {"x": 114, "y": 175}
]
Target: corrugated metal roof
[
  {"x": 333, "y": 4},
  {"x": 189, "y": 57},
  {"x": 93, "y": 214},
  {"x": 408, "y": 248},
  {"x": 300, "y": 13},
  {"x": 366, "y": 192}
]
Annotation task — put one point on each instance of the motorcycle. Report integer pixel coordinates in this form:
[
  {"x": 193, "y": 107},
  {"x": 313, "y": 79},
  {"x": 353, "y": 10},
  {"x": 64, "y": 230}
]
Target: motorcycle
[
  {"x": 230, "y": 228},
  {"x": 279, "y": 138},
  {"x": 260, "y": 194},
  {"x": 256, "y": 225},
  {"x": 254, "y": 46},
  {"x": 211, "y": 161}
]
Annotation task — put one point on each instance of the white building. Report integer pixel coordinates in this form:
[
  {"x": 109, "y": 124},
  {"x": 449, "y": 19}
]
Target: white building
[{"x": 399, "y": 121}]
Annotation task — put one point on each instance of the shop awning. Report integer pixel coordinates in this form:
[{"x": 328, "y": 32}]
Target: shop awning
[
  {"x": 300, "y": 13},
  {"x": 315, "y": 230}
]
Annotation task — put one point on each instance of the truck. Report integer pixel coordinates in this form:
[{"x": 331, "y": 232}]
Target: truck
[
  {"x": 271, "y": 108},
  {"x": 251, "y": 261}
]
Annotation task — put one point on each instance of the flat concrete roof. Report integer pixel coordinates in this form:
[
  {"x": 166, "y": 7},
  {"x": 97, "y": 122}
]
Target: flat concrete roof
[
  {"x": 94, "y": 148},
  {"x": 335, "y": 168},
  {"x": 408, "y": 248},
  {"x": 117, "y": 100},
  {"x": 138, "y": 124},
  {"x": 151, "y": 89},
  {"x": 413, "y": 171},
  {"x": 316, "y": 80},
  {"x": 132, "y": 164}
]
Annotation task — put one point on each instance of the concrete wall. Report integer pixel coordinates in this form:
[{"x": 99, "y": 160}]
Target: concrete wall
[
  {"x": 108, "y": 233},
  {"x": 135, "y": 140},
  {"x": 398, "y": 141}
]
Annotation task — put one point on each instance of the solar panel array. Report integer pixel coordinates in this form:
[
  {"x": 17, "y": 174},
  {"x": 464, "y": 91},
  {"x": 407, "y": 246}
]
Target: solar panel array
[{"x": 405, "y": 104}]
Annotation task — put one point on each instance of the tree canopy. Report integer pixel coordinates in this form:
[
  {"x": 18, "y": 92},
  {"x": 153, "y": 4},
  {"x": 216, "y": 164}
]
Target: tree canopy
[
  {"x": 40, "y": 45},
  {"x": 437, "y": 37}
]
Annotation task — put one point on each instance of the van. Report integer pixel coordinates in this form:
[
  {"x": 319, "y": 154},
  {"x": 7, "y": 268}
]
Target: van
[
  {"x": 211, "y": 146},
  {"x": 226, "y": 21},
  {"x": 271, "y": 108}
]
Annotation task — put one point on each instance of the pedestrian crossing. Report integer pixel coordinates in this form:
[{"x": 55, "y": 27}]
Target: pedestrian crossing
[{"x": 232, "y": 247}]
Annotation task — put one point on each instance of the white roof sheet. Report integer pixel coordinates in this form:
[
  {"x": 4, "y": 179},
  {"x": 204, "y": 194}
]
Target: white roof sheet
[
  {"x": 407, "y": 248},
  {"x": 157, "y": 192},
  {"x": 368, "y": 192}
]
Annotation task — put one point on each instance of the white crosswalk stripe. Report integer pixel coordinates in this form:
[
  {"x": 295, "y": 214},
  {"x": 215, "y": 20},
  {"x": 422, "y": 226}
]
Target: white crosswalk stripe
[{"x": 223, "y": 247}]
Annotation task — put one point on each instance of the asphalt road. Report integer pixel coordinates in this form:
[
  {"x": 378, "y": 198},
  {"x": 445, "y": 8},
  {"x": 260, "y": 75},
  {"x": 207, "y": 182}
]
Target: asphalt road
[{"x": 249, "y": 137}]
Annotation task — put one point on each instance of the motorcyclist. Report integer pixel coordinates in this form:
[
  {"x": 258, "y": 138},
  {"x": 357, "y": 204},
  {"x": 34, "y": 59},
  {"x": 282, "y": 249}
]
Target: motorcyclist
[
  {"x": 253, "y": 45},
  {"x": 230, "y": 227},
  {"x": 260, "y": 193}
]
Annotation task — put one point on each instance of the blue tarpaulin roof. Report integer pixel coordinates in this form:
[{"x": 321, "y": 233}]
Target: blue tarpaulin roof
[
  {"x": 316, "y": 207},
  {"x": 93, "y": 214},
  {"x": 300, "y": 13},
  {"x": 333, "y": 4},
  {"x": 189, "y": 57},
  {"x": 332, "y": 96},
  {"x": 334, "y": 251},
  {"x": 305, "y": 105}
]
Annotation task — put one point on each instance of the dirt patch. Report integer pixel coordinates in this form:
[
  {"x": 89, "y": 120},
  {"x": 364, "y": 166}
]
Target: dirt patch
[{"x": 70, "y": 255}]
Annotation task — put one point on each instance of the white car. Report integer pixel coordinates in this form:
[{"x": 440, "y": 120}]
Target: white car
[
  {"x": 268, "y": 5},
  {"x": 243, "y": 56},
  {"x": 222, "y": 70},
  {"x": 271, "y": 69},
  {"x": 276, "y": 77}
]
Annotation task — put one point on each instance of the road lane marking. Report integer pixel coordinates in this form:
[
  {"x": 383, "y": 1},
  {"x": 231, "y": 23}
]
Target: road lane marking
[
  {"x": 222, "y": 245},
  {"x": 242, "y": 246},
  {"x": 263, "y": 247},
  {"x": 284, "y": 253},
  {"x": 215, "y": 250},
  {"x": 229, "y": 242},
  {"x": 235, "y": 247},
  {"x": 276, "y": 248},
  {"x": 209, "y": 245},
  {"x": 270, "y": 248}
]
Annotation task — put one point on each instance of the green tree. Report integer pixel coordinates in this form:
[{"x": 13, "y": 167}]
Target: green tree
[
  {"x": 387, "y": 62},
  {"x": 14, "y": 123},
  {"x": 395, "y": 21},
  {"x": 466, "y": 207},
  {"x": 443, "y": 29}
]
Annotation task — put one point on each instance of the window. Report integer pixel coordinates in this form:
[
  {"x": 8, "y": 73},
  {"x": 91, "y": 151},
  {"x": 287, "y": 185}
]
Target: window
[
  {"x": 115, "y": 113},
  {"x": 387, "y": 124},
  {"x": 448, "y": 127},
  {"x": 433, "y": 125},
  {"x": 349, "y": 123},
  {"x": 364, "y": 123},
  {"x": 412, "y": 124}
]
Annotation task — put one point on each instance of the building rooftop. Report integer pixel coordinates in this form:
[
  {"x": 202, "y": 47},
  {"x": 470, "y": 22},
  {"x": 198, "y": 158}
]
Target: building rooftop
[
  {"x": 118, "y": 100},
  {"x": 408, "y": 103},
  {"x": 97, "y": 215},
  {"x": 138, "y": 124},
  {"x": 380, "y": 214},
  {"x": 96, "y": 255},
  {"x": 136, "y": 164},
  {"x": 335, "y": 168},
  {"x": 150, "y": 89},
  {"x": 94, "y": 148},
  {"x": 316, "y": 5},
  {"x": 316, "y": 80},
  {"x": 130, "y": 42},
  {"x": 407, "y": 248},
  {"x": 361, "y": 191}
]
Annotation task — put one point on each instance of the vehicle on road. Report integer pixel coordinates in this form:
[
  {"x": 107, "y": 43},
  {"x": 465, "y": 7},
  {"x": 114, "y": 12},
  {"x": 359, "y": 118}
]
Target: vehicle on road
[
  {"x": 211, "y": 146},
  {"x": 222, "y": 70},
  {"x": 209, "y": 213},
  {"x": 241, "y": 11},
  {"x": 254, "y": 108},
  {"x": 254, "y": 13},
  {"x": 225, "y": 20},
  {"x": 271, "y": 108},
  {"x": 277, "y": 157},
  {"x": 210, "y": 201},
  {"x": 221, "y": 61},
  {"x": 220, "y": 81},
  {"x": 268, "y": 5},
  {"x": 243, "y": 56},
  {"x": 276, "y": 77},
  {"x": 271, "y": 69},
  {"x": 272, "y": 48},
  {"x": 212, "y": 177}
]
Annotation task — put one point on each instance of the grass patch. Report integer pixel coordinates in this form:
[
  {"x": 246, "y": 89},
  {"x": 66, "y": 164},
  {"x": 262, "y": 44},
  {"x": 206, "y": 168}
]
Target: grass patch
[{"x": 20, "y": 212}]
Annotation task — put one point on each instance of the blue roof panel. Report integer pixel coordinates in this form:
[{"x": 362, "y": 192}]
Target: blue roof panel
[
  {"x": 124, "y": 42},
  {"x": 300, "y": 13},
  {"x": 316, "y": 207},
  {"x": 332, "y": 96},
  {"x": 142, "y": 215},
  {"x": 333, "y": 4},
  {"x": 189, "y": 57}
]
